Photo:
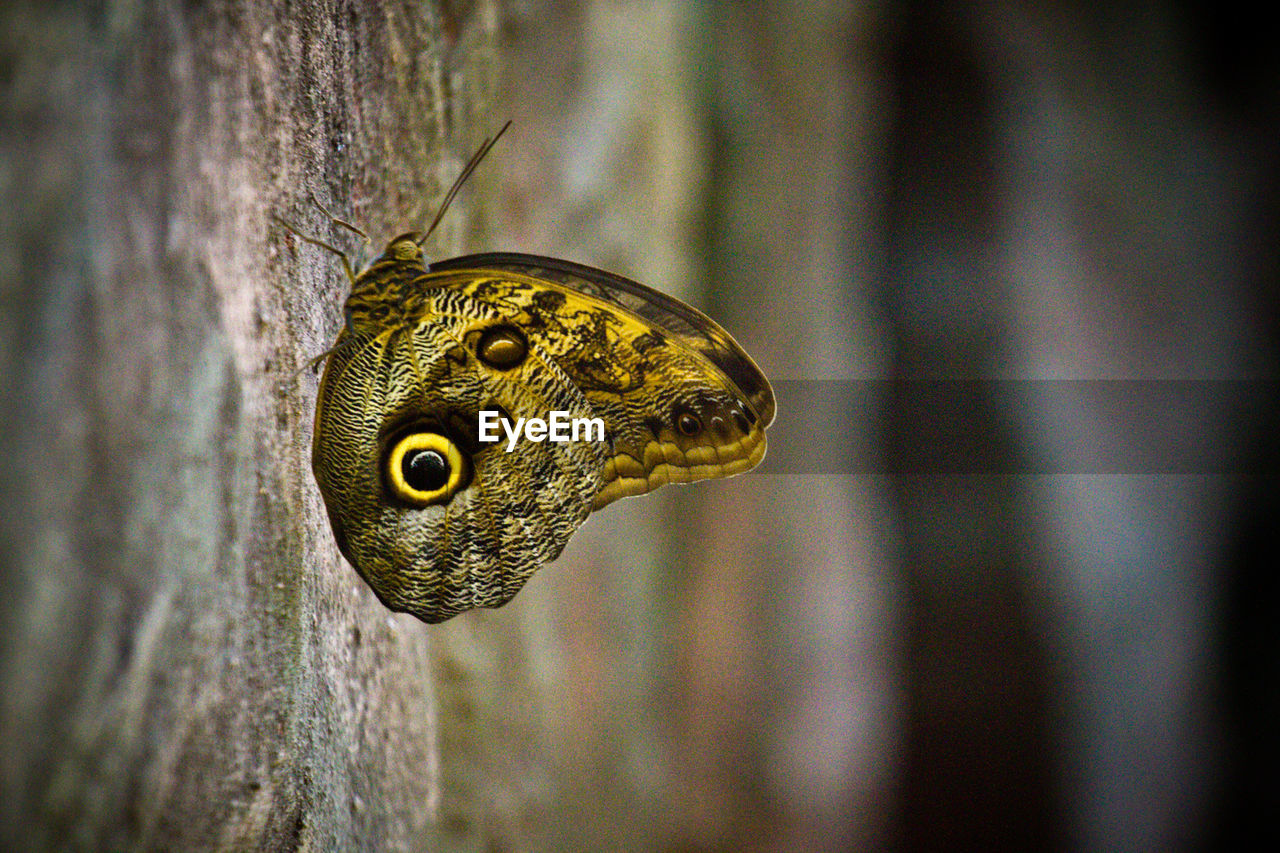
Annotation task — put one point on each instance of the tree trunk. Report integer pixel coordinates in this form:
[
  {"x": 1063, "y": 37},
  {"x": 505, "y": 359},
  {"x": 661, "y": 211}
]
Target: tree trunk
[{"x": 188, "y": 664}]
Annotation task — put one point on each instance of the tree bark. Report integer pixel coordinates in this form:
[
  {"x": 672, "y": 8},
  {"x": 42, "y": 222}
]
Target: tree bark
[{"x": 188, "y": 663}]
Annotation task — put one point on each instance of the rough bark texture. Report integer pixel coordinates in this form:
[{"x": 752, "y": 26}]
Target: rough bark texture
[{"x": 188, "y": 665}]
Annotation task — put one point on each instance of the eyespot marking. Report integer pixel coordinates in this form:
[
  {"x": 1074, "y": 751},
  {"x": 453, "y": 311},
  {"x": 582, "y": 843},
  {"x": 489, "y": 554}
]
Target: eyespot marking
[
  {"x": 687, "y": 422},
  {"x": 502, "y": 347},
  {"x": 424, "y": 468}
]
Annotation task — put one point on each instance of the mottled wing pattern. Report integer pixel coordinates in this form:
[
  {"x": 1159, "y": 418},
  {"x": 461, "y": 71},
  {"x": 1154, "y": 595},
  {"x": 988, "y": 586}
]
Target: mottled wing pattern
[
  {"x": 680, "y": 399},
  {"x": 690, "y": 327},
  {"x": 519, "y": 508}
]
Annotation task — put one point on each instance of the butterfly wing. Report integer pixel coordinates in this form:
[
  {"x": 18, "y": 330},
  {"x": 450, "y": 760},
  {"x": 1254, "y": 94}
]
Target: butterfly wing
[
  {"x": 508, "y": 512},
  {"x": 438, "y": 521},
  {"x": 686, "y": 324},
  {"x": 680, "y": 399}
]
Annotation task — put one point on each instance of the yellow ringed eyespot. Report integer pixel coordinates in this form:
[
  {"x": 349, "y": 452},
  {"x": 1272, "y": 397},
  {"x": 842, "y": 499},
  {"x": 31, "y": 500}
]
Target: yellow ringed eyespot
[{"x": 425, "y": 468}]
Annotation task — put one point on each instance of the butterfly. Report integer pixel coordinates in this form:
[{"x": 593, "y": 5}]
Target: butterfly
[{"x": 435, "y": 513}]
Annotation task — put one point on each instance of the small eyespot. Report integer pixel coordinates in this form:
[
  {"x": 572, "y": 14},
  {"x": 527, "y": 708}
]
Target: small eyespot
[
  {"x": 687, "y": 423},
  {"x": 741, "y": 422},
  {"x": 502, "y": 347},
  {"x": 424, "y": 468}
]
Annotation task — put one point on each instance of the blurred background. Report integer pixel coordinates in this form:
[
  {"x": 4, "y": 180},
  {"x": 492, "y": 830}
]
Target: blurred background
[{"x": 1003, "y": 581}]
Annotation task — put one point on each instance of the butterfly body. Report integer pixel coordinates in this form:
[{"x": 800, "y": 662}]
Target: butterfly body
[{"x": 438, "y": 521}]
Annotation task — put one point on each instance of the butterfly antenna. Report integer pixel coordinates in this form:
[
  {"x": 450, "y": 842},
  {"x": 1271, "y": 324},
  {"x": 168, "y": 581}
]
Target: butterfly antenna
[{"x": 466, "y": 173}]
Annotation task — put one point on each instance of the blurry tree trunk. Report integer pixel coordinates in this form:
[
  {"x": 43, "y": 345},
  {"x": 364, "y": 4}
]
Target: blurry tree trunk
[
  {"x": 1083, "y": 193},
  {"x": 729, "y": 154}
]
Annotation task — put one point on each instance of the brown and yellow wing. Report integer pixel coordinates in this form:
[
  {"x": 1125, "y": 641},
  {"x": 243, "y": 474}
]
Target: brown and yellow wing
[
  {"x": 439, "y": 521},
  {"x": 495, "y": 516},
  {"x": 680, "y": 399}
]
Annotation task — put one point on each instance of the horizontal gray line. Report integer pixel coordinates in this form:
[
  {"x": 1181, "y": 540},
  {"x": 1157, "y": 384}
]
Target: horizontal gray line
[{"x": 943, "y": 426}]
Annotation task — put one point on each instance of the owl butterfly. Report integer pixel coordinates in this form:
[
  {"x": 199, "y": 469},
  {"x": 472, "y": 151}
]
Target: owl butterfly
[{"x": 438, "y": 521}]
